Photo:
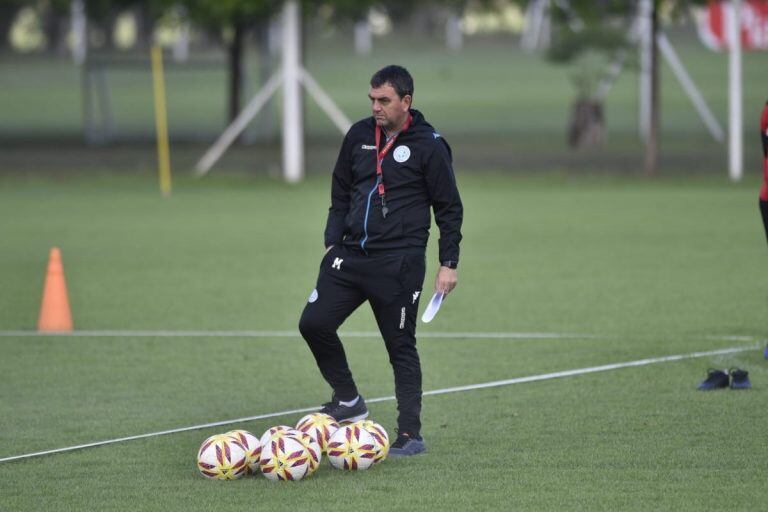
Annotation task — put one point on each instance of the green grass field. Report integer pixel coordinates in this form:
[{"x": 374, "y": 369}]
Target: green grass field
[
  {"x": 556, "y": 241},
  {"x": 636, "y": 268}
]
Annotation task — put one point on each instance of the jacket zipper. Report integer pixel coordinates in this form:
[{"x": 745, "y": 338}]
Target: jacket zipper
[{"x": 367, "y": 210}]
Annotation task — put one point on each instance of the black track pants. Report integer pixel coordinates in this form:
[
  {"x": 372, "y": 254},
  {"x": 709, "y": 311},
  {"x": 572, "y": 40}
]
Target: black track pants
[{"x": 391, "y": 283}]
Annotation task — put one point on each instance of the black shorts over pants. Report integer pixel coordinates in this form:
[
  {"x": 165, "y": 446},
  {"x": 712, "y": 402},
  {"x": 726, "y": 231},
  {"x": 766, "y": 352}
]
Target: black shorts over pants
[{"x": 391, "y": 282}]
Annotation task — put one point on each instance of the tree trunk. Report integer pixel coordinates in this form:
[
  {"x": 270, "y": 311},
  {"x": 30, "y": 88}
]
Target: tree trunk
[
  {"x": 587, "y": 128},
  {"x": 145, "y": 27},
  {"x": 7, "y": 17},
  {"x": 651, "y": 147},
  {"x": 304, "y": 32},
  {"x": 363, "y": 37},
  {"x": 51, "y": 22},
  {"x": 454, "y": 39},
  {"x": 265, "y": 121},
  {"x": 236, "y": 71},
  {"x": 108, "y": 24}
]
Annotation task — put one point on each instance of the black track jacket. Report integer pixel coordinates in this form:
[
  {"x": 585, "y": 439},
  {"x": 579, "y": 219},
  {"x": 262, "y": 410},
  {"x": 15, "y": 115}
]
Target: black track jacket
[{"x": 417, "y": 174}]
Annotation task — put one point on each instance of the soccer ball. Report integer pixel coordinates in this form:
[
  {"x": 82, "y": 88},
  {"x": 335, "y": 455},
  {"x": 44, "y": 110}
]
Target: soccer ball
[
  {"x": 285, "y": 457},
  {"x": 222, "y": 457},
  {"x": 313, "y": 449},
  {"x": 380, "y": 436},
  {"x": 320, "y": 426},
  {"x": 351, "y": 447},
  {"x": 252, "y": 449},
  {"x": 267, "y": 435}
]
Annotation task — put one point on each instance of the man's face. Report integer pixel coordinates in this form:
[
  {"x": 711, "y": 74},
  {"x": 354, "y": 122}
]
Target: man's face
[{"x": 389, "y": 110}]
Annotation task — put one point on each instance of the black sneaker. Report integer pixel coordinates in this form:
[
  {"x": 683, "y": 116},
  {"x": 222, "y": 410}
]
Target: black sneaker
[
  {"x": 342, "y": 413},
  {"x": 739, "y": 379},
  {"x": 406, "y": 445},
  {"x": 716, "y": 379}
]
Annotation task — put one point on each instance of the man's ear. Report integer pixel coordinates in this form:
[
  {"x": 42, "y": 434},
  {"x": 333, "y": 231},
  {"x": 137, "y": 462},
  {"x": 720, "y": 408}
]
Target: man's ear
[{"x": 407, "y": 100}]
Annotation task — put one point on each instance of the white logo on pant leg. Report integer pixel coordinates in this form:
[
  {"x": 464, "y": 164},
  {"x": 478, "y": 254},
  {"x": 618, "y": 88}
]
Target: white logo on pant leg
[
  {"x": 402, "y": 317},
  {"x": 415, "y": 296},
  {"x": 313, "y": 296},
  {"x": 337, "y": 263}
]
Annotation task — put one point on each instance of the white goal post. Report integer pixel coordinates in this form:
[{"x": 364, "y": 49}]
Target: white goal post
[{"x": 291, "y": 76}]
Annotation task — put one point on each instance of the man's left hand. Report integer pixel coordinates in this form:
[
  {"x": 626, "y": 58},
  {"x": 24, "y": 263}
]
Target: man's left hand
[{"x": 446, "y": 280}]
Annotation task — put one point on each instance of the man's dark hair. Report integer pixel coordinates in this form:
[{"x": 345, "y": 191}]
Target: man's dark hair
[{"x": 396, "y": 76}]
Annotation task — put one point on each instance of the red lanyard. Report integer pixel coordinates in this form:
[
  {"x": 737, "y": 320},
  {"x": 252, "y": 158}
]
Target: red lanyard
[{"x": 380, "y": 158}]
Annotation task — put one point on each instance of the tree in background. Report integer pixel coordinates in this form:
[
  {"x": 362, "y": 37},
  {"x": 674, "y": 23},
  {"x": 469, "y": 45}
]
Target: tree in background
[
  {"x": 589, "y": 35},
  {"x": 53, "y": 17},
  {"x": 230, "y": 21},
  {"x": 8, "y": 11},
  {"x": 104, "y": 13}
]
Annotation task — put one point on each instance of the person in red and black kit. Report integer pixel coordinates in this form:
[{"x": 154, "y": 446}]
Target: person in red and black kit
[
  {"x": 764, "y": 189},
  {"x": 392, "y": 168}
]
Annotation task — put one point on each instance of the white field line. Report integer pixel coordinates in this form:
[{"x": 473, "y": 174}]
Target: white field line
[
  {"x": 457, "y": 389},
  {"x": 285, "y": 334},
  {"x": 350, "y": 334},
  {"x": 732, "y": 337}
]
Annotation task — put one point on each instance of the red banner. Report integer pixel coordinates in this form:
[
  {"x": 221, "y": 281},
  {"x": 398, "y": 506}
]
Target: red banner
[{"x": 713, "y": 21}]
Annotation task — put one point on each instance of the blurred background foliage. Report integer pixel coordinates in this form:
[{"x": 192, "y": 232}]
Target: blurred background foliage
[{"x": 504, "y": 103}]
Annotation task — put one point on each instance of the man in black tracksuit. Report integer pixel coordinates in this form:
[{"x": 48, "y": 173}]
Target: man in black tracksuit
[{"x": 375, "y": 240}]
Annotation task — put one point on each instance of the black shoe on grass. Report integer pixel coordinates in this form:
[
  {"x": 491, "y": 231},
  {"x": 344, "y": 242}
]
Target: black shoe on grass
[
  {"x": 739, "y": 379},
  {"x": 406, "y": 445},
  {"x": 343, "y": 413},
  {"x": 716, "y": 379}
]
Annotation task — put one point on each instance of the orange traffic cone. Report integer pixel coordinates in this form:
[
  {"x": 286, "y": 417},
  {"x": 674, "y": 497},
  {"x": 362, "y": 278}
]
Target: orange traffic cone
[{"x": 55, "y": 315}]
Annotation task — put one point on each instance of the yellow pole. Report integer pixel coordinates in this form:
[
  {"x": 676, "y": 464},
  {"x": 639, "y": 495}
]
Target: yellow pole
[{"x": 161, "y": 121}]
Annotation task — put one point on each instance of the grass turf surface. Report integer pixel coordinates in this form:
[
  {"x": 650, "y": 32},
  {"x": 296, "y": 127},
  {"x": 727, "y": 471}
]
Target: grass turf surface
[{"x": 654, "y": 267}]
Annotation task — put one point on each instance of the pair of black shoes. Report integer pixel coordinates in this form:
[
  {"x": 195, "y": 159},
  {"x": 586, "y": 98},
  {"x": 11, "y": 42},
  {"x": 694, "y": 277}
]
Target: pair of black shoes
[
  {"x": 736, "y": 378},
  {"x": 405, "y": 444}
]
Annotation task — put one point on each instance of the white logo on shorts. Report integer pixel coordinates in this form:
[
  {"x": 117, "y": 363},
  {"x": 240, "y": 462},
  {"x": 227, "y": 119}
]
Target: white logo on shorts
[
  {"x": 313, "y": 295},
  {"x": 415, "y": 296},
  {"x": 337, "y": 263},
  {"x": 402, "y": 317},
  {"x": 401, "y": 154}
]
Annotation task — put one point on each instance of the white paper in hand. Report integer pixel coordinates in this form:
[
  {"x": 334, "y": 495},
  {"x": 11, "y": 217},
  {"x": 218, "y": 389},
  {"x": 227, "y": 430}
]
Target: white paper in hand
[{"x": 432, "y": 307}]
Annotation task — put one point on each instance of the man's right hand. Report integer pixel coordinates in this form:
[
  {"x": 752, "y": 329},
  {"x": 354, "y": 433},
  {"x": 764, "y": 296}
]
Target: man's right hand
[{"x": 446, "y": 280}]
